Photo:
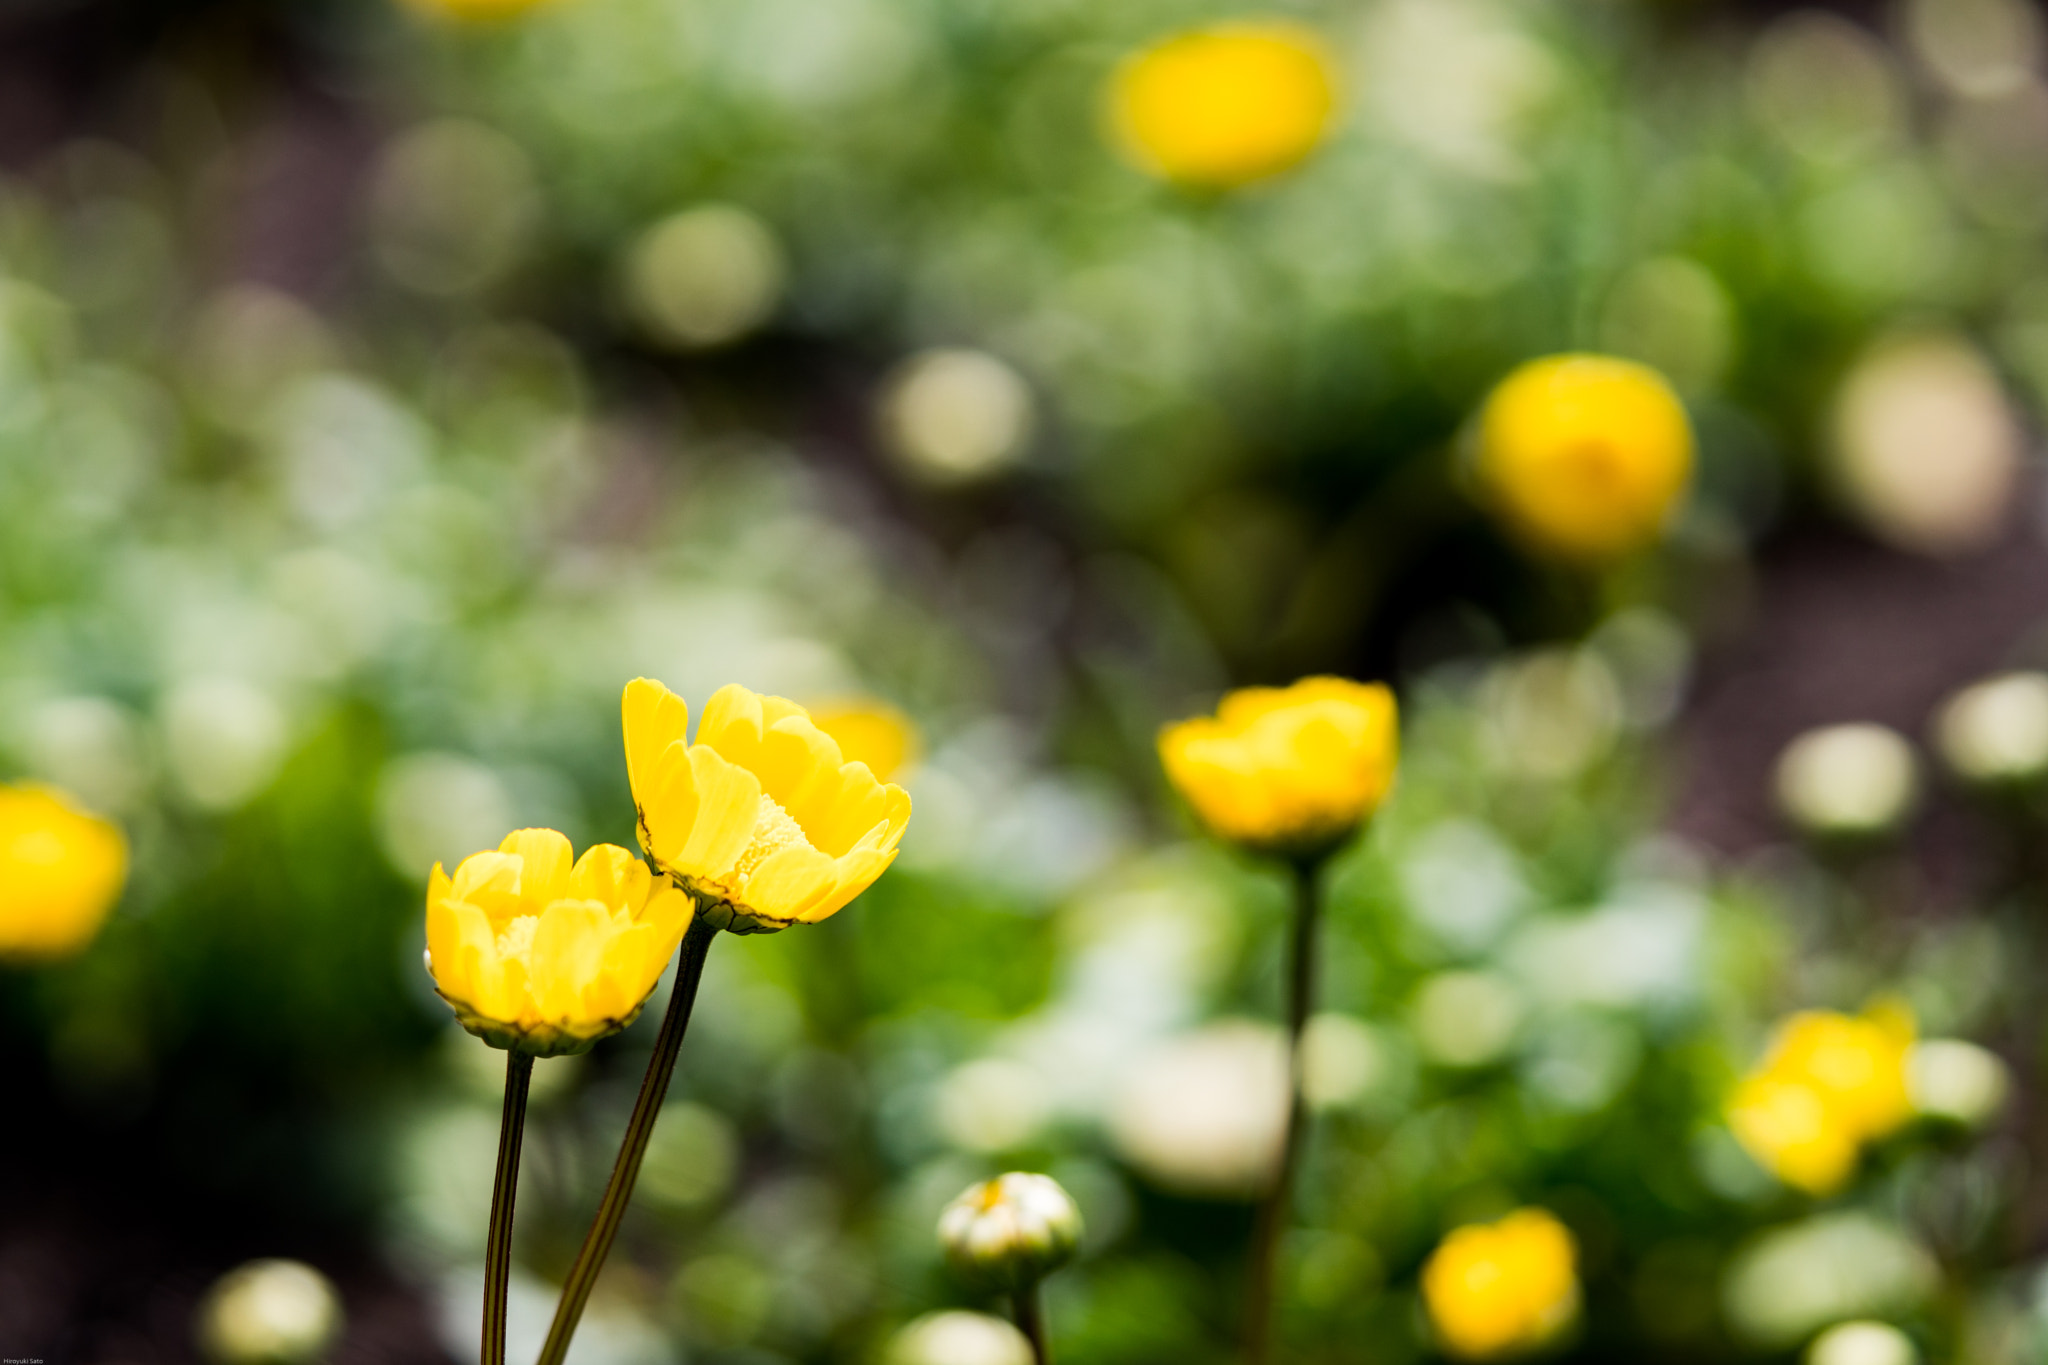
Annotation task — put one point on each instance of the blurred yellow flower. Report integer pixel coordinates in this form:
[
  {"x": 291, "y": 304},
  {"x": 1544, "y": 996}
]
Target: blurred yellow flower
[
  {"x": 61, "y": 870},
  {"x": 1584, "y": 456},
  {"x": 1497, "y": 1288},
  {"x": 1827, "y": 1084},
  {"x": 478, "y": 11},
  {"x": 763, "y": 818},
  {"x": 1224, "y": 105},
  {"x": 1287, "y": 770},
  {"x": 535, "y": 954},
  {"x": 869, "y": 732}
]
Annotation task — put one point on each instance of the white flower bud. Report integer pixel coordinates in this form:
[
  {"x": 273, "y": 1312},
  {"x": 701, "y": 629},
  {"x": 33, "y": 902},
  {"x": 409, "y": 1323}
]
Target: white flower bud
[
  {"x": 1951, "y": 1079},
  {"x": 1847, "y": 781},
  {"x": 956, "y": 1337},
  {"x": 1862, "y": 1343},
  {"x": 1996, "y": 732},
  {"x": 1010, "y": 1232},
  {"x": 269, "y": 1313}
]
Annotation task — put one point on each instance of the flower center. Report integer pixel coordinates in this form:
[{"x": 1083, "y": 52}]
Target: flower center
[
  {"x": 517, "y": 940},
  {"x": 774, "y": 830}
]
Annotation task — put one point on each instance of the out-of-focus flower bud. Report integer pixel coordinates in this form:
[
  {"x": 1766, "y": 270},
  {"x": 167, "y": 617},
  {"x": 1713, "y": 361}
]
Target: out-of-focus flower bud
[
  {"x": 1847, "y": 781},
  {"x": 61, "y": 870},
  {"x": 1225, "y": 105},
  {"x": 705, "y": 276},
  {"x": 955, "y": 416},
  {"x": 1287, "y": 770},
  {"x": 1584, "y": 457},
  {"x": 271, "y": 1312},
  {"x": 1206, "y": 1113},
  {"x": 1952, "y": 1079},
  {"x": 1995, "y": 733},
  {"x": 1495, "y": 1289},
  {"x": 1862, "y": 1343},
  {"x": 1012, "y": 1231},
  {"x": 959, "y": 1338},
  {"x": 1926, "y": 447}
]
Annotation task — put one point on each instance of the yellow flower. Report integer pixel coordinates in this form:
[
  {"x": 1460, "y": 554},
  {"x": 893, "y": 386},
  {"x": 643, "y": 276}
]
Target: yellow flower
[
  {"x": 544, "y": 957},
  {"x": 762, "y": 818},
  {"x": 869, "y": 732},
  {"x": 1496, "y": 1288},
  {"x": 61, "y": 870},
  {"x": 1224, "y": 105},
  {"x": 1584, "y": 456},
  {"x": 1287, "y": 770},
  {"x": 1827, "y": 1084}
]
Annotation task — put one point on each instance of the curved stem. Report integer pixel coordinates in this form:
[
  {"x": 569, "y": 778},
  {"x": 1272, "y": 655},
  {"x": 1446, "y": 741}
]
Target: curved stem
[
  {"x": 1275, "y": 1209},
  {"x": 1031, "y": 1322},
  {"x": 498, "y": 1250},
  {"x": 653, "y": 1089}
]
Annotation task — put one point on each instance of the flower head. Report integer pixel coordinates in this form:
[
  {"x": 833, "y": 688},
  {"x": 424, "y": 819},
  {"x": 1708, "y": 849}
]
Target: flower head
[
  {"x": 1010, "y": 1232},
  {"x": 61, "y": 870},
  {"x": 1224, "y": 105},
  {"x": 1828, "y": 1083},
  {"x": 763, "y": 819},
  {"x": 538, "y": 955},
  {"x": 1288, "y": 769},
  {"x": 1584, "y": 456},
  {"x": 1497, "y": 1288}
]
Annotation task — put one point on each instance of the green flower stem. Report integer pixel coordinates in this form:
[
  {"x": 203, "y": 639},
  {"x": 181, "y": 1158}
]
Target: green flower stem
[
  {"x": 498, "y": 1252},
  {"x": 1031, "y": 1321},
  {"x": 653, "y": 1089},
  {"x": 1276, "y": 1209}
]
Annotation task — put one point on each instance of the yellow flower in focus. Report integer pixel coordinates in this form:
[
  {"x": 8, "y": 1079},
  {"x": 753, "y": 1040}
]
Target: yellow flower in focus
[
  {"x": 545, "y": 957},
  {"x": 61, "y": 870},
  {"x": 1827, "y": 1084},
  {"x": 870, "y": 732},
  {"x": 1497, "y": 1288},
  {"x": 1288, "y": 770},
  {"x": 763, "y": 818},
  {"x": 1584, "y": 456},
  {"x": 1224, "y": 105}
]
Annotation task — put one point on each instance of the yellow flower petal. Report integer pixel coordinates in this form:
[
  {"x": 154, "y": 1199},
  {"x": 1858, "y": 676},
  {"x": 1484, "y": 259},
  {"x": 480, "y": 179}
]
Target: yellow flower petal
[
  {"x": 1287, "y": 769},
  {"x": 544, "y": 856}
]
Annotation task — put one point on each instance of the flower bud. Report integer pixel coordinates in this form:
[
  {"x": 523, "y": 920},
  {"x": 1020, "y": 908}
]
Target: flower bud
[
  {"x": 1862, "y": 1343},
  {"x": 1951, "y": 1079},
  {"x": 1847, "y": 781},
  {"x": 1995, "y": 733},
  {"x": 269, "y": 1313},
  {"x": 957, "y": 1337},
  {"x": 1010, "y": 1232}
]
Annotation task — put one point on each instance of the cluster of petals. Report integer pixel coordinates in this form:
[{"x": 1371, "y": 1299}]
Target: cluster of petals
[
  {"x": 1288, "y": 770},
  {"x": 1828, "y": 1085},
  {"x": 761, "y": 818},
  {"x": 1495, "y": 1289},
  {"x": 538, "y": 954}
]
